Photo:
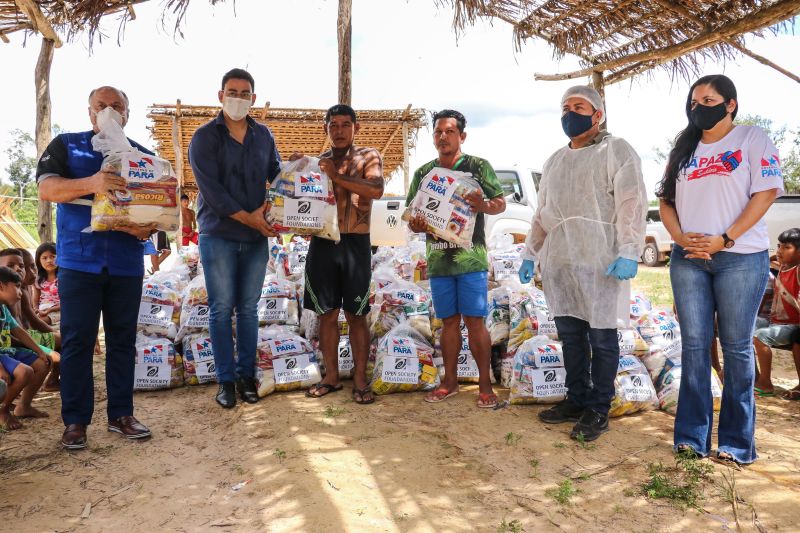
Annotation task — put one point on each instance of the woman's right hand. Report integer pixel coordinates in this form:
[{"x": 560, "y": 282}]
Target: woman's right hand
[{"x": 689, "y": 241}]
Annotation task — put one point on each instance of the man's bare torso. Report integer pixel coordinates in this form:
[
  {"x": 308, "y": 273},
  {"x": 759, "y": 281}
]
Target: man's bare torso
[{"x": 354, "y": 211}]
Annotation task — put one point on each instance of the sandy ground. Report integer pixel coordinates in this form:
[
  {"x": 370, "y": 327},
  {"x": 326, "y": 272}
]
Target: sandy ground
[{"x": 399, "y": 465}]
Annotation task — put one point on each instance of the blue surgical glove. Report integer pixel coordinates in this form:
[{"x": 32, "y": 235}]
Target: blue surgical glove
[
  {"x": 526, "y": 271},
  {"x": 622, "y": 268}
]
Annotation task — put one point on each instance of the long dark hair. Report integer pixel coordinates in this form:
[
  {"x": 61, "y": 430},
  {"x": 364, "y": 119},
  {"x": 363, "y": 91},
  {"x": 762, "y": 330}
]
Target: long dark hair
[
  {"x": 686, "y": 141},
  {"x": 41, "y": 273}
]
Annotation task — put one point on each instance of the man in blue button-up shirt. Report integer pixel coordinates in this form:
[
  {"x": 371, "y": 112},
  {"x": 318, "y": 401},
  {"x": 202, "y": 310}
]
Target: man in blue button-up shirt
[
  {"x": 234, "y": 159},
  {"x": 99, "y": 271}
]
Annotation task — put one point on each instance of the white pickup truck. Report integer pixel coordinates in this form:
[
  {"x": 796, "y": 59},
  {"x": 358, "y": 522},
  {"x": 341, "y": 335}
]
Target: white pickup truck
[{"x": 519, "y": 185}]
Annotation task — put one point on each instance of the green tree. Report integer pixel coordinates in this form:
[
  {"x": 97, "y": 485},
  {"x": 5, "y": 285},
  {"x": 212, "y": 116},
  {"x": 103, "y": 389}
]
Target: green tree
[
  {"x": 787, "y": 141},
  {"x": 22, "y": 159}
]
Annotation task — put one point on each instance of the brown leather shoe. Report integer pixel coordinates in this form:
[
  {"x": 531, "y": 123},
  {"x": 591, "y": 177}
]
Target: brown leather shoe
[
  {"x": 74, "y": 437},
  {"x": 129, "y": 427}
]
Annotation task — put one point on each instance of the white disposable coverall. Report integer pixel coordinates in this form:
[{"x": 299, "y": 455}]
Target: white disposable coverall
[{"x": 592, "y": 209}]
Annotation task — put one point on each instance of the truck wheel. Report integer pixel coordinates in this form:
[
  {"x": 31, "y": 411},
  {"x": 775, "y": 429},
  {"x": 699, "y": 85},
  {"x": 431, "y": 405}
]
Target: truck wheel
[{"x": 650, "y": 255}]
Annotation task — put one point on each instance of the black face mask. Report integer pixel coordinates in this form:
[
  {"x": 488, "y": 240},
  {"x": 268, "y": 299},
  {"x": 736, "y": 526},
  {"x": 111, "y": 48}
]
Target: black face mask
[
  {"x": 706, "y": 117},
  {"x": 574, "y": 124}
]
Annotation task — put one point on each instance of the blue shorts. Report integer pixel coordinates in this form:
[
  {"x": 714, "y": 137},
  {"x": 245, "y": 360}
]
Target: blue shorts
[
  {"x": 10, "y": 358},
  {"x": 775, "y": 334},
  {"x": 464, "y": 294}
]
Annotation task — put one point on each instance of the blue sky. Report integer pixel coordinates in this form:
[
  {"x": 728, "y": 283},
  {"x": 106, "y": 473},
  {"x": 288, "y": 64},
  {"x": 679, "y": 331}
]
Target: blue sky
[{"x": 403, "y": 52}]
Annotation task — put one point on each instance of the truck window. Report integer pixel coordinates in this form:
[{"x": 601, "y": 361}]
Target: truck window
[
  {"x": 654, "y": 215},
  {"x": 509, "y": 180},
  {"x": 537, "y": 177}
]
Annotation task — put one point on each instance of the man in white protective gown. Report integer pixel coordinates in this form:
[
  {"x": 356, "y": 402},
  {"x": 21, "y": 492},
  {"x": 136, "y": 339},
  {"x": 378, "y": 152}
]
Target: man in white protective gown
[{"x": 587, "y": 235}]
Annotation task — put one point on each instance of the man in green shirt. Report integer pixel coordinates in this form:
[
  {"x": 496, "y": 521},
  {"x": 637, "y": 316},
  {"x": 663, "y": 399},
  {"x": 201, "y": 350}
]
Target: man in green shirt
[{"x": 459, "y": 276}]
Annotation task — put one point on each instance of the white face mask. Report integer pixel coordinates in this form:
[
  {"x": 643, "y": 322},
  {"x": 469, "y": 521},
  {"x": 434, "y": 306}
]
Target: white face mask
[
  {"x": 235, "y": 108},
  {"x": 106, "y": 116}
]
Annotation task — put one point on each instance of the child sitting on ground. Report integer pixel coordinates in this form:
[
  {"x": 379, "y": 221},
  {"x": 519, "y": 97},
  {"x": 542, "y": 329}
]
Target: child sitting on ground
[
  {"x": 46, "y": 302},
  {"x": 23, "y": 369},
  {"x": 784, "y": 320}
]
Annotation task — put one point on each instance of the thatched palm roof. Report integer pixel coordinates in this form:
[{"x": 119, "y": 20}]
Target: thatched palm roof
[
  {"x": 393, "y": 132},
  {"x": 624, "y": 38}
]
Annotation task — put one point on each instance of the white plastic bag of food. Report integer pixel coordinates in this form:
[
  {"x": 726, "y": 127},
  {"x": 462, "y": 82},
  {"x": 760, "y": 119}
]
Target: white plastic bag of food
[
  {"x": 302, "y": 200},
  {"x": 640, "y": 306},
  {"x": 278, "y": 302},
  {"x": 159, "y": 309},
  {"x": 631, "y": 343},
  {"x": 401, "y": 301},
  {"x": 285, "y": 363},
  {"x": 498, "y": 318},
  {"x": 538, "y": 373},
  {"x": 158, "y": 365},
  {"x": 403, "y": 362},
  {"x": 195, "y": 312},
  {"x": 633, "y": 388},
  {"x": 668, "y": 387},
  {"x": 151, "y": 192},
  {"x": 198, "y": 360},
  {"x": 441, "y": 200}
]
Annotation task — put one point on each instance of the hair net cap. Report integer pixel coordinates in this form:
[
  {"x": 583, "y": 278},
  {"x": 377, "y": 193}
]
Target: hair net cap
[{"x": 588, "y": 94}]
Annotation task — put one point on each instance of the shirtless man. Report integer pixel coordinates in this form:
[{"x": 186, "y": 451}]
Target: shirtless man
[
  {"x": 339, "y": 275},
  {"x": 189, "y": 222}
]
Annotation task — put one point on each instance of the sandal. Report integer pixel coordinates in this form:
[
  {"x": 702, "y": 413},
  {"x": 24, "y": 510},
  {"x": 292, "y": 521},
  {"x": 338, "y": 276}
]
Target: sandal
[
  {"x": 791, "y": 395},
  {"x": 761, "y": 393},
  {"x": 687, "y": 451},
  {"x": 726, "y": 459},
  {"x": 440, "y": 395},
  {"x": 313, "y": 392},
  {"x": 487, "y": 400},
  {"x": 363, "y": 396}
]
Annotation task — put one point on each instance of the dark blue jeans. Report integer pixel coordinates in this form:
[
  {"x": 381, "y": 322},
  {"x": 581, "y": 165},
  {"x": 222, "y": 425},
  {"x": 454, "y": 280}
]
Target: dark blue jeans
[
  {"x": 591, "y": 358},
  {"x": 731, "y": 285},
  {"x": 83, "y": 297},
  {"x": 234, "y": 274}
]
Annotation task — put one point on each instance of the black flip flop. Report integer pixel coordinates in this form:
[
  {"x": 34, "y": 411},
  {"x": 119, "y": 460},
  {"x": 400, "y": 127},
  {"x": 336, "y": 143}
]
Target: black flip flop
[
  {"x": 328, "y": 388},
  {"x": 361, "y": 393},
  {"x": 728, "y": 461}
]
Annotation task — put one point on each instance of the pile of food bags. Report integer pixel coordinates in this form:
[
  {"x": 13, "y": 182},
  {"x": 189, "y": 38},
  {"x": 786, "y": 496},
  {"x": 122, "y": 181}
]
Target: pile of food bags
[
  {"x": 538, "y": 372},
  {"x": 278, "y": 303},
  {"x": 403, "y": 362},
  {"x": 160, "y": 306},
  {"x": 285, "y": 362},
  {"x": 302, "y": 200},
  {"x": 399, "y": 301},
  {"x": 158, "y": 366},
  {"x": 150, "y": 196},
  {"x": 441, "y": 200}
]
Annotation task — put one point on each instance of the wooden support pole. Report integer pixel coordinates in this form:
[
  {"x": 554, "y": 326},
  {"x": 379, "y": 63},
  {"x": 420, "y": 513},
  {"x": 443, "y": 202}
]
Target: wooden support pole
[
  {"x": 599, "y": 84},
  {"x": 4, "y": 38},
  {"x": 405, "y": 157},
  {"x": 38, "y": 20},
  {"x": 264, "y": 112},
  {"x": 344, "y": 37},
  {"x": 44, "y": 131}
]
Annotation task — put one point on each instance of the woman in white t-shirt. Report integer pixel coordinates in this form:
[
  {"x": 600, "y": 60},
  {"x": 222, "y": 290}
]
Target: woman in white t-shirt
[{"x": 719, "y": 182}]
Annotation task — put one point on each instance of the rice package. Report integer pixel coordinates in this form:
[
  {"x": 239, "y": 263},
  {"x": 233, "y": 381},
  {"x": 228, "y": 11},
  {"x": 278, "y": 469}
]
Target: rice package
[
  {"x": 195, "y": 312},
  {"x": 401, "y": 301},
  {"x": 538, "y": 373},
  {"x": 159, "y": 309},
  {"x": 150, "y": 195},
  {"x": 302, "y": 201},
  {"x": 498, "y": 318},
  {"x": 633, "y": 389},
  {"x": 198, "y": 360},
  {"x": 278, "y": 302},
  {"x": 441, "y": 200},
  {"x": 158, "y": 365},
  {"x": 285, "y": 363},
  {"x": 403, "y": 362}
]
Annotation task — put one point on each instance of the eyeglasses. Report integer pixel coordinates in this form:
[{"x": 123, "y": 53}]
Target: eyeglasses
[{"x": 246, "y": 95}]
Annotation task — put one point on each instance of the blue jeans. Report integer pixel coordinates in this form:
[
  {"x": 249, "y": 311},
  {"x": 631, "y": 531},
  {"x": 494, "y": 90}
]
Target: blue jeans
[
  {"x": 83, "y": 297},
  {"x": 731, "y": 285},
  {"x": 591, "y": 358},
  {"x": 234, "y": 274}
]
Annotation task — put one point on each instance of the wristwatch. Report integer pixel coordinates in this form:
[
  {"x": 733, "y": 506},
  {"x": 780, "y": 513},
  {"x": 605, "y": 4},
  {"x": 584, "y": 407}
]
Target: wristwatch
[{"x": 729, "y": 243}]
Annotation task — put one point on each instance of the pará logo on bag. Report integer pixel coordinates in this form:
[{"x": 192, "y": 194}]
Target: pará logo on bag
[
  {"x": 285, "y": 346},
  {"x": 401, "y": 346},
  {"x": 142, "y": 169},
  {"x": 549, "y": 376},
  {"x": 400, "y": 364},
  {"x": 439, "y": 184},
  {"x": 291, "y": 363},
  {"x": 152, "y": 371},
  {"x": 311, "y": 184},
  {"x": 433, "y": 204},
  {"x": 303, "y": 207}
]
